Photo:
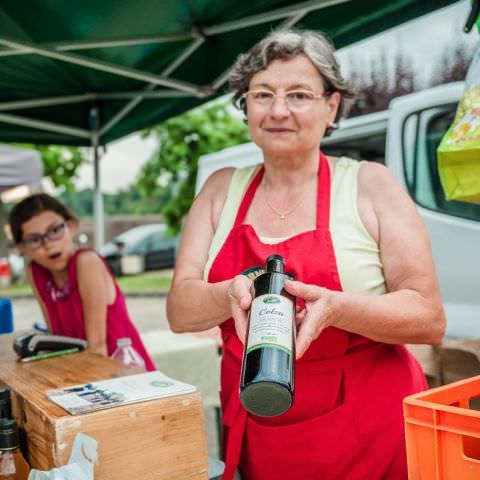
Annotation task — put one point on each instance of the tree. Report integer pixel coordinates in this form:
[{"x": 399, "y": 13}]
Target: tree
[
  {"x": 128, "y": 201},
  {"x": 403, "y": 78},
  {"x": 375, "y": 87},
  {"x": 453, "y": 64},
  {"x": 60, "y": 163},
  {"x": 172, "y": 170}
]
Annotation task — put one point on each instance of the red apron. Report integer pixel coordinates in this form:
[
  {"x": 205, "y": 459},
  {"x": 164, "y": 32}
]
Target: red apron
[{"x": 346, "y": 421}]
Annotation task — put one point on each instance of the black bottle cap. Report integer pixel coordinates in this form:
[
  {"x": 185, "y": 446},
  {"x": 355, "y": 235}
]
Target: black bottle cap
[
  {"x": 8, "y": 433},
  {"x": 5, "y": 404},
  {"x": 275, "y": 263}
]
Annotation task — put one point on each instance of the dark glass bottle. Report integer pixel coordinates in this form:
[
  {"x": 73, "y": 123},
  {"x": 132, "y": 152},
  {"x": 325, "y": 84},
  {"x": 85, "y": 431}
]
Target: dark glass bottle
[
  {"x": 5, "y": 403},
  {"x": 267, "y": 379},
  {"x": 12, "y": 464}
]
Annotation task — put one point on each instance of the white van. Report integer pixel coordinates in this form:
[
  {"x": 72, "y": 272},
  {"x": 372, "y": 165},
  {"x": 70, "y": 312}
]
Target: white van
[{"x": 405, "y": 138}]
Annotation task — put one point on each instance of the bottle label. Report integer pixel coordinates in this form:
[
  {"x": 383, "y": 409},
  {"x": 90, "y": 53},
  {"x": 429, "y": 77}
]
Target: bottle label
[{"x": 271, "y": 323}]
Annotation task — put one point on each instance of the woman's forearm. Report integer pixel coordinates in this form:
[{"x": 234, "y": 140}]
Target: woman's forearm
[
  {"x": 194, "y": 305},
  {"x": 403, "y": 316}
]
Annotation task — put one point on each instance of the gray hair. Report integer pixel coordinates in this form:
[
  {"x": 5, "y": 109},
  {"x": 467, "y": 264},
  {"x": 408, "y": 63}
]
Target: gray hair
[{"x": 285, "y": 45}]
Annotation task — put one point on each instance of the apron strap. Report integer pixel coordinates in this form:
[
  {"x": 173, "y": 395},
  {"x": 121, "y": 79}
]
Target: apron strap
[
  {"x": 323, "y": 193},
  {"x": 234, "y": 445}
]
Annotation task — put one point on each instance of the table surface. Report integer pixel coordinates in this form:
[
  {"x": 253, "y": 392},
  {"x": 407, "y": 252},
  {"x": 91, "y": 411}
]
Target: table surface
[
  {"x": 32, "y": 379},
  {"x": 6, "y": 347}
]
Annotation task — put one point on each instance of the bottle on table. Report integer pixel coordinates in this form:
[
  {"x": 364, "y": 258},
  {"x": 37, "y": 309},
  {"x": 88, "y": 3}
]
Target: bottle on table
[
  {"x": 267, "y": 378},
  {"x": 13, "y": 465},
  {"x": 127, "y": 355},
  {"x": 5, "y": 403}
]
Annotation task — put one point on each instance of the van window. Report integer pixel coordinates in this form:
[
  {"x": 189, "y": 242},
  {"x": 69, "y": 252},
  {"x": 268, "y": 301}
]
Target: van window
[
  {"x": 371, "y": 147},
  {"x": 422, "y": 134}
]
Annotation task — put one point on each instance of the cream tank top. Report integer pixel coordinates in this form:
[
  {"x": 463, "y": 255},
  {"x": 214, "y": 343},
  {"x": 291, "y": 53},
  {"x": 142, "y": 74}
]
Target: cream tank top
[{"x": 357, "y": 253}]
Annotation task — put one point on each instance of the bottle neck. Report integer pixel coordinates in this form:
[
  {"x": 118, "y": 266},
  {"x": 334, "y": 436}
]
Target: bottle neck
[
  {"x": 275, "y": 264},
  {"x": 15, "y": 449}
]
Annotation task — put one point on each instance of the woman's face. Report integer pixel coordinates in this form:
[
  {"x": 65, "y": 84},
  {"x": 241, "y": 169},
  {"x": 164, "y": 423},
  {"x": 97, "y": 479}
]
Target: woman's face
[
  {"x": 47, "y": 239},
  {"x": 283, "y": 127}
]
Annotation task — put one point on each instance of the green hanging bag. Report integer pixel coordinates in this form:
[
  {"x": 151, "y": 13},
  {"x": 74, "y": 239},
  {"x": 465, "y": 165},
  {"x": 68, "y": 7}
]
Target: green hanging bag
[{"x": 459, "y": 151}]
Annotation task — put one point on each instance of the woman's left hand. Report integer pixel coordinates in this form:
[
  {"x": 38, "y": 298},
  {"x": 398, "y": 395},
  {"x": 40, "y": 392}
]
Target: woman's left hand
[{"x": 320, "y": 312}]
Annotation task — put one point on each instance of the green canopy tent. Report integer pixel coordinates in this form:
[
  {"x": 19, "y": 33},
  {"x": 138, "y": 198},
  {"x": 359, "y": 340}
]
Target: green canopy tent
[{"x": 86, "y": 72}]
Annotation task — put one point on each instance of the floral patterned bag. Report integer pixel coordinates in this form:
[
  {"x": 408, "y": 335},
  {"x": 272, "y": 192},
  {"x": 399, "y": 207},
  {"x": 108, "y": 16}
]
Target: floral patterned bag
[{"x": 459, "y": 150}]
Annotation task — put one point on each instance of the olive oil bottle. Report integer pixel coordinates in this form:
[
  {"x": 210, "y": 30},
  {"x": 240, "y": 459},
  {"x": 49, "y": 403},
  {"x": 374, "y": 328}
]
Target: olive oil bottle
[
  {"x": 13, "y": 465},
  {"x": 267, "y": 378}
]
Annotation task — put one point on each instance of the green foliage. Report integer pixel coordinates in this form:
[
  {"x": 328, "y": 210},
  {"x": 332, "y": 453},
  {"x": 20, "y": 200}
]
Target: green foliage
[
  {"x": 129, "y": 201},
  {"x": 60, "y": 163},
  {"x": 182, "y": 140},
  {"x": 159, "y": 281},
  {"x": 81, "y": 202}
]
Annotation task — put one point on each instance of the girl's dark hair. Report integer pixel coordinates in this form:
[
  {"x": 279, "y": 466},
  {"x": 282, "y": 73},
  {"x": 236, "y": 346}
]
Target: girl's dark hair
[{"x": 30, "y": 207}]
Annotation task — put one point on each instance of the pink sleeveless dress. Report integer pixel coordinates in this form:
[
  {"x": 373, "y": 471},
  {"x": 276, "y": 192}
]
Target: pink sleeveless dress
[{"x": 65, "y": 309}]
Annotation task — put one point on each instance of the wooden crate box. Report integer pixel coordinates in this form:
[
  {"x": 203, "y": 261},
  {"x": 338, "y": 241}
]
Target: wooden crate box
[{"x": 158, "y": 439}]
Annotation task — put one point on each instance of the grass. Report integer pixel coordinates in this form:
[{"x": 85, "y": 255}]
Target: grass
[
  {"x": 15, "y": 290},
  {"x": 147, "y": 282},
  {"x": 157, "y": 282}
]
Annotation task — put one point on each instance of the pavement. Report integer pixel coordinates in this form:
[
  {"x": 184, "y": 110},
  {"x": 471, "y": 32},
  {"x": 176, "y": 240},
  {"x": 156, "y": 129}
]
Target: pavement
[{"x": 148, "y": 313}]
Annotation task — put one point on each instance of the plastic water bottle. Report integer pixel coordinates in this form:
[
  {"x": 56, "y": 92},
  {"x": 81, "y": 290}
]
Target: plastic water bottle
[{"x": 126, "y": 354}]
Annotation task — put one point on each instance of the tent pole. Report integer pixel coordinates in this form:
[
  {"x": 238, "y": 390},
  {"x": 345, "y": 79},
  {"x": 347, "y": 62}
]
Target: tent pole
[
  {"x": 98, "y": 214},
  {"x": 3, "y": 240}
]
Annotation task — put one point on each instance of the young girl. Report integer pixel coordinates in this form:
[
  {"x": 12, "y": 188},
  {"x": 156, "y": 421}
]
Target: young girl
[{"x": 76, "y": 291}]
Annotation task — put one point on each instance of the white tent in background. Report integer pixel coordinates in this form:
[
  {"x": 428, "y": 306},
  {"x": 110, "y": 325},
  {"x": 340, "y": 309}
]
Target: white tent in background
[
  {"x": 20, "y": 174},
  {"x": 19, "y": 167}
]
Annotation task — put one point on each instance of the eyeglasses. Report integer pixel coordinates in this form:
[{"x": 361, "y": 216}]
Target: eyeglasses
[
  {"x": 55, "y": 232},
  {"x": 295, "y": 100}
]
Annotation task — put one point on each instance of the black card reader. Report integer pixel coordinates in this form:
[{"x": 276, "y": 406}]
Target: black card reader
[{"x": 38, "y": 343}]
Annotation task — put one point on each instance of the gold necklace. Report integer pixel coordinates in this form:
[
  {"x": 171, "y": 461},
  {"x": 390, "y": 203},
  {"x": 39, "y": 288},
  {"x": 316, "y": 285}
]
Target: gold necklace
[{"x": 282, "y": 216}]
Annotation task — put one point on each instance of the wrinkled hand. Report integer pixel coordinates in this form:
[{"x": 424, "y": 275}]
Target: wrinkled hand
[
  {"x": 319, "y": 312},
  {"x": 240, "y": 297}
]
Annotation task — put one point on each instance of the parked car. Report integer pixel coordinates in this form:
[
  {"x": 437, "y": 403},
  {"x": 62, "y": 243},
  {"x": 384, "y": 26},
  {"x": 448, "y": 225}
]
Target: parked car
[{"x": 148, "y": 247}]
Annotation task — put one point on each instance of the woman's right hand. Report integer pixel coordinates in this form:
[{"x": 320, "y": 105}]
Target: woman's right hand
[{"x": 240, "y": 298}]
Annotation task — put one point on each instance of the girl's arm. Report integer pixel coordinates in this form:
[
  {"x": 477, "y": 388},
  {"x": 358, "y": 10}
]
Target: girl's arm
[
  {"x": 97, "y": 291},
  {"x": 37, "y": 296}
]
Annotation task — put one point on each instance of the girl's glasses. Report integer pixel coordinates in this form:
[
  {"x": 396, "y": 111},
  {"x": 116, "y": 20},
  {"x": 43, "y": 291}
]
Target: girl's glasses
[
  {"x": 36, "y": 240},
  {"x": 295, "y": 100}
]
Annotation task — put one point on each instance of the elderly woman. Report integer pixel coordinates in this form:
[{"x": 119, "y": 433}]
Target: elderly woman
[{"x": 360, "y": 252}]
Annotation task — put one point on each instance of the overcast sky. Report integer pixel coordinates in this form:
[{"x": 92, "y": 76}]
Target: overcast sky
[{"x": 422, "y": 39}]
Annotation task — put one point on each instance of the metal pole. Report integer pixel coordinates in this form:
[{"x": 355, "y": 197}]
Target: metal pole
[
  {"x": 43, "y": 125},
  {"x": 3, "y": 240},
  {"x": 98, "y": 215},
  {"x": 144, "y": 76}
]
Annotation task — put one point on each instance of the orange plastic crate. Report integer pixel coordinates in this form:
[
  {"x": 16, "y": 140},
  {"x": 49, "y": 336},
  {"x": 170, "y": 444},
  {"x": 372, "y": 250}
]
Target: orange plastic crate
[{"x": 443, "y": 432}]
